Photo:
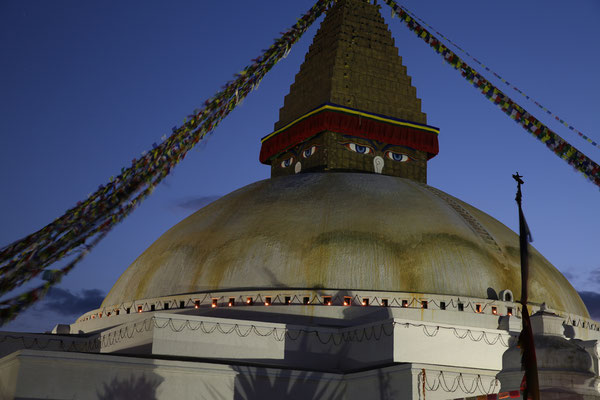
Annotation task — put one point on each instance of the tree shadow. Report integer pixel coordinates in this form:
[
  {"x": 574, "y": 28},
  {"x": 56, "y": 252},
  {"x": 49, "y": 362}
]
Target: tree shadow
[
  {"x": 136, "y": 387},
  {"x": 333, "y": 360},
  {"x": 259, "y": 382}
]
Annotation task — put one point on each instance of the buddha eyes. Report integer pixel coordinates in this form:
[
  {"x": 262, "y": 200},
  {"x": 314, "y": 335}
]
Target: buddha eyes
[
  {"x": 355, "y": 147},
  {"x": 305, "y": 154},
  {"x": 397, "y": 156},
  {"x": 358, "y": 148},
  {"x": 309, "y": 152},
  {"x": 287, "y": 162}
]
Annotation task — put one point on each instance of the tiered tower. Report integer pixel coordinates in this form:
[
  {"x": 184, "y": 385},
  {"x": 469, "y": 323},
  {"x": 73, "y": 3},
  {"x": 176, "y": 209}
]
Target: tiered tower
[{"x": 352, "y": 106}]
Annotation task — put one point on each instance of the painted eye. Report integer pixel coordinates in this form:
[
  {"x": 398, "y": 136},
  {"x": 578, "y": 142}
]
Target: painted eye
[
  {"x": 287, "y": 162},
  {"x": 359, "y": 148},
  {"x": 397, "y": 156},
  {"x": 309, "y": 152}
]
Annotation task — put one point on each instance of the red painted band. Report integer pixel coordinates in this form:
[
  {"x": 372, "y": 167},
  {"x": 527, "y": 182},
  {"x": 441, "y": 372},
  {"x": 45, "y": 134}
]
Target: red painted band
[{"x": 349, "y": 125}]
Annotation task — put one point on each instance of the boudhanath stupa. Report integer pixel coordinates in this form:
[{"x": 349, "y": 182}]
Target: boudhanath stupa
[{"x": 343, "y": 276}]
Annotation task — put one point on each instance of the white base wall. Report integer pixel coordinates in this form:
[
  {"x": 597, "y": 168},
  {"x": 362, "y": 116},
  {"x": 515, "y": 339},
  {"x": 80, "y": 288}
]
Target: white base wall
[{"x": 29, "y": 374}]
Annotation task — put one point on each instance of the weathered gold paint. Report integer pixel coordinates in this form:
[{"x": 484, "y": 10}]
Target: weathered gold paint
[{"x": 339, "y": 231}]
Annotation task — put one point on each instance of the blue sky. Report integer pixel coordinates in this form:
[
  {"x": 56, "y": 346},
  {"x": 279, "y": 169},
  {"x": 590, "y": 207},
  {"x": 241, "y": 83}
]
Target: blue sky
[{"x": 87, "y": 86}]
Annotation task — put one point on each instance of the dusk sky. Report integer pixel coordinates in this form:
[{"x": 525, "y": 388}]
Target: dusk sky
[{"x": 87, "y": 86}]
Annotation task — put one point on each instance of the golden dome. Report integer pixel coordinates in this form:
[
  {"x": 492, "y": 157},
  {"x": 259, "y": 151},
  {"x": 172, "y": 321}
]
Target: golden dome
[{"x": 341, "y": 231}]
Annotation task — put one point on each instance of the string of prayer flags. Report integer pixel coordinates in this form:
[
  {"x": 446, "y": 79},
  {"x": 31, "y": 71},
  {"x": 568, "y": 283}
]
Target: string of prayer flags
[
  {"x": 554, "y": 142},
  {"x": 513, "y": 394},
  {"x": 84, "y": 225},
  {"x": 593, "y": 142}
]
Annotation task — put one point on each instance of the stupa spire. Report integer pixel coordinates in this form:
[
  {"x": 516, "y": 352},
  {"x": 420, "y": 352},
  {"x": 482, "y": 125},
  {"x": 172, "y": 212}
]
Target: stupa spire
[
  {"x": 352, "y": 95},
  {"x": 353, "y": 62}
]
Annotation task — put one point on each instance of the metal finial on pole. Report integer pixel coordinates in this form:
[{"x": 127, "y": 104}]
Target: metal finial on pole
[{"x": 520, "y": 182}]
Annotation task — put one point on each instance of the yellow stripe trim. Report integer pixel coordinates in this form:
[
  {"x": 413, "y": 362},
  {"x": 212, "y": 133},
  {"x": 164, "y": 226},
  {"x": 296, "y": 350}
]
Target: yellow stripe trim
[{"x": 354, "y": 112}]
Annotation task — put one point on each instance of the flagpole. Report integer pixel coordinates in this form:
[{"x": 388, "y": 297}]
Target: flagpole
[{"x": 530, "y": 385}]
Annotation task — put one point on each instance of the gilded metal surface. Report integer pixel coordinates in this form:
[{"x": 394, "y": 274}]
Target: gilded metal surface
[{"x": 339, "y": 231}]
